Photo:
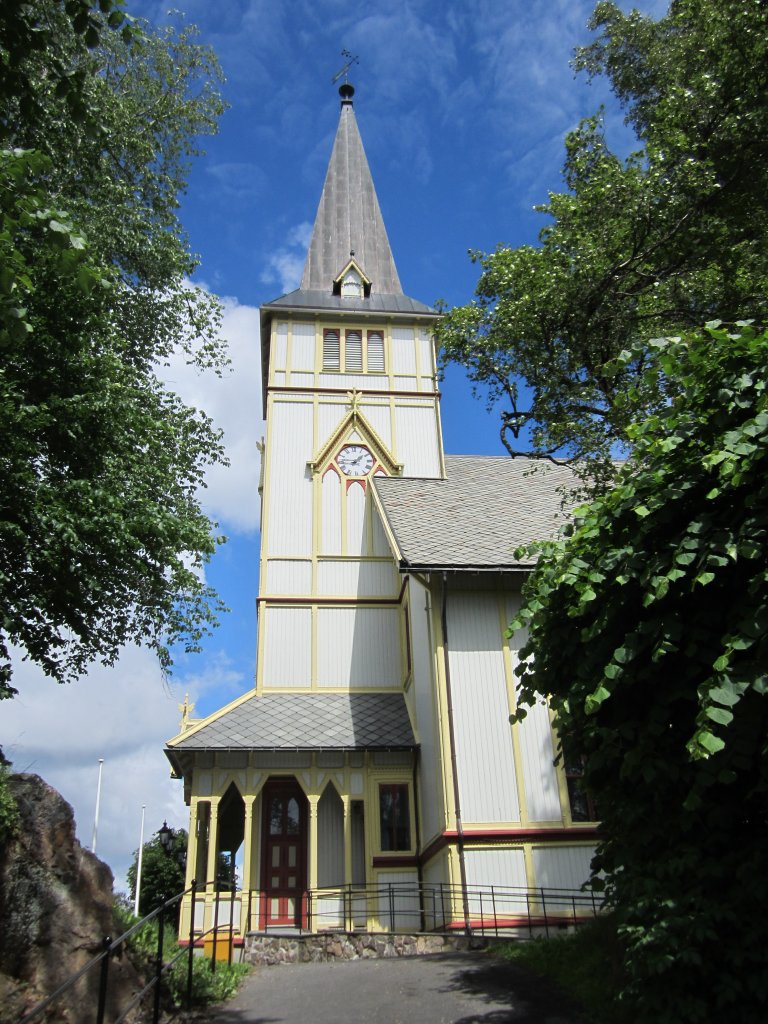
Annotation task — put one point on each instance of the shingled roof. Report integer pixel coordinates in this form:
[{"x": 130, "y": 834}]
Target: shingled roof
[
  {"x": 305, "y": 721},
  {"x": 474, "y": 519}
]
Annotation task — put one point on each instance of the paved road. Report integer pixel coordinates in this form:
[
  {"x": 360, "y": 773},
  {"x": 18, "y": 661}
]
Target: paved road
[{"x": 462, "y": 988}]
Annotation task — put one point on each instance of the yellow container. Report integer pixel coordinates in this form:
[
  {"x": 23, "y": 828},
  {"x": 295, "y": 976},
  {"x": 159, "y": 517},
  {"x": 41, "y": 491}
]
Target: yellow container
[{"x": 224, "y": 942}]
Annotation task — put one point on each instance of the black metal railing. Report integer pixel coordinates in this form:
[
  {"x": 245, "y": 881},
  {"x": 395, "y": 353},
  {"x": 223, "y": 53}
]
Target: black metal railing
[
  {"x": 413, "y": 907},
  {"x": 161, "y": 966}
]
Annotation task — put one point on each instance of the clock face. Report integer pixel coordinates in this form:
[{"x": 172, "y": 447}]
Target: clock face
[{"x": 354, "y": 460}]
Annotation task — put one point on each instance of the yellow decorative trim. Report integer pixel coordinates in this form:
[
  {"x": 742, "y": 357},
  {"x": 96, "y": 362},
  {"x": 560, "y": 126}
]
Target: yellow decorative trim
[
  {"x": 355, "y": 420},
  {"x": 352, "y": 264}
]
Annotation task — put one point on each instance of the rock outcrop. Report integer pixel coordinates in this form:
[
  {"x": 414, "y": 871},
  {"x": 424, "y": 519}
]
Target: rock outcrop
[{"x": 55, "y": 910}]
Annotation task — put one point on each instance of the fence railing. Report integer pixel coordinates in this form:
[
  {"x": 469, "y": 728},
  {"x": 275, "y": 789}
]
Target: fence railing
[{"x": 413, "y": 907}]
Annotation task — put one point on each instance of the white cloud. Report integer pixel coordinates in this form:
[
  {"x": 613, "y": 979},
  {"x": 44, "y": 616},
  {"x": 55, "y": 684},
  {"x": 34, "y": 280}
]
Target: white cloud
[
  {"x": 124, "y": 714},
  {"x": 284, "y": 267},
  {"x": 234, "y": 403},
  {"x": 236, "y": 181}
]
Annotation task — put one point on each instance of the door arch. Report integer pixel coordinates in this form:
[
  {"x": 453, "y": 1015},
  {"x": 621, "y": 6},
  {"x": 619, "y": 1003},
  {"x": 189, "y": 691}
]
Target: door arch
[{"x": 284, "y": 853}]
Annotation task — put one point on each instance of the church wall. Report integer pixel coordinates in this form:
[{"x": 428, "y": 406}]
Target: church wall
[
  {"x": 488, "y": 788},
  {"x": 330, "y": 838},
  {"x": 289, "y": 576},
  {"x": 562, "y": 867},
  {"x": 359, "y": 647},
  {"x": 422, "y": 698},
  {"x": 285, "y": 648},
  {"x": 543, "y": 785},
  {"x": 357, "y": 578},
  {"x": 417, "y": 440},
  {"x": 501, "y": 867},
  {"x": 289, "y": 440}
]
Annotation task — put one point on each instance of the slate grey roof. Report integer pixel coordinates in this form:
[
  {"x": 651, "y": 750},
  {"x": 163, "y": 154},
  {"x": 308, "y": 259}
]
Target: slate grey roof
[
  {"x": 375, "y": 303},
  {"x": 308, "y": 721},
  {"x": 487, "y": 507},
  {"x": 349, "y": 219}
]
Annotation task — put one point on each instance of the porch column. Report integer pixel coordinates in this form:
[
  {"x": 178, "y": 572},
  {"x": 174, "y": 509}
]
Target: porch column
[
  {"x": 312, "y": 842},
  {"x": 212, "y": 868},
  {"x": 192, "y": 841},
  {"x": 349, "y": 924},
  {"x": 248, "y": 843}
]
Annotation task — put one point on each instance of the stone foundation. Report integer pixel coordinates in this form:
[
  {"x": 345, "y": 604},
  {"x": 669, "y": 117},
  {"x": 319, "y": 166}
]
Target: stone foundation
[{"x": 266, "y": 950}]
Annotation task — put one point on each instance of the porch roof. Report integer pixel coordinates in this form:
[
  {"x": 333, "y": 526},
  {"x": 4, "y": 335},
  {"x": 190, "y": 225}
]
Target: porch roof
[{"x": 304, "y": 721}]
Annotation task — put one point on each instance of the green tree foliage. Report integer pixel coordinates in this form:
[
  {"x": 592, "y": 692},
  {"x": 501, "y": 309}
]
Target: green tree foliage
[
  {"x": 649, "y": 629},
  {"x": 162, "y": 873},
  {"x": 101, "y": 530},
  {"x": 655, "y": 244}
]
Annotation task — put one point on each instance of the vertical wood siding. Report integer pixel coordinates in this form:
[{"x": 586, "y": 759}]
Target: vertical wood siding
[
  {"x": 303, "y": 348},
  {"x": 289, "y": 576},
  {"x": 329, "y": 416},
  {"x": 417, "y": 444},
  {"x": 497, "y": 866},
  {"x": 357, "y": 579},
  {"x": 486, "y": 770},
  {"x": 496, "y": 876},
  {"x": 345, "y": 380},
  {"x": 280, "y": 350},
  {"x": 403, "y": 351},
  {"x": 357, "y": 535},
  {"x": 330, "y": 838},
  {"x": 422, "y": 691},
  {"x": 426, "y": 352},
  {"x": 380, "y": 542},
  {"x": 330, "y": 514},
  {"x": 289, "y": 514},
  {"x": 358, "y": 647},
  {"x": 287, "y": 647},
  {"x": 536, "y": 741},
  {"x": 562, "y": 867},
  {"x": 379, "y": 418},
  {"x": 399, "y": 908}
]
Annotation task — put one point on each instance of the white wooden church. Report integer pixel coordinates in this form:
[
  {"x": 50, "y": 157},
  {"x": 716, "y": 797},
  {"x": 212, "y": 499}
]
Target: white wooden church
[{"x": 372, "y": 779}]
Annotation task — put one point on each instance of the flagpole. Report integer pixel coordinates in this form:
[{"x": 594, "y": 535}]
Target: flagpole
[
  {"x": 138, "y": 864},
  {"x": 98, "y": 801}
]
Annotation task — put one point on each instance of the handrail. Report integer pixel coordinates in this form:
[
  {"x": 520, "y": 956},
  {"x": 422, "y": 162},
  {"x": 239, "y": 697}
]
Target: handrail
[{"x": 110, "y": 946}]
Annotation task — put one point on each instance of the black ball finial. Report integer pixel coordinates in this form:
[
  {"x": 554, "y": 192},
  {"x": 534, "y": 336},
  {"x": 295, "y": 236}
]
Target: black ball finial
[{"x": 346, "y": 91}]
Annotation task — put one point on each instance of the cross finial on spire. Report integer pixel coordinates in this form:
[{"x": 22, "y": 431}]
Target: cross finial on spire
[{"x": 346, "y": 91}]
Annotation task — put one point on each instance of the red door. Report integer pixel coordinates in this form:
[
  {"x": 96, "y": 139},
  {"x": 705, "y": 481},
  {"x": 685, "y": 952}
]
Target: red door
[{"x": 283, "y": 853}]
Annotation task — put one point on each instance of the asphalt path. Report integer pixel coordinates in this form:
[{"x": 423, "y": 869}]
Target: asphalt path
[{"x": 457, "y": 988}]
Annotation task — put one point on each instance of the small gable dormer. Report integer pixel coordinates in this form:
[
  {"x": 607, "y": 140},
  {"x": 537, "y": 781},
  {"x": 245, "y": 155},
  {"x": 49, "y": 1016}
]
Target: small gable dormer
[{"x": 352, "y": 282}]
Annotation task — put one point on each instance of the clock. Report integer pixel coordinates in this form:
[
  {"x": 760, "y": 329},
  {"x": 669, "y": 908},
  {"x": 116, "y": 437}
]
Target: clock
[{"x": 354, "y": 460}]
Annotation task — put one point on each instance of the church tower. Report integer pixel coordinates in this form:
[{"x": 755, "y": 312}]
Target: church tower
[
  {"x": 373, "y": 778},
  {"x": 313, "y": 770}
]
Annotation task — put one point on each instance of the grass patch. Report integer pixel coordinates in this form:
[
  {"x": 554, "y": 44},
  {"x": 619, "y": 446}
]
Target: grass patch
[{"x": 586, "y": 966}]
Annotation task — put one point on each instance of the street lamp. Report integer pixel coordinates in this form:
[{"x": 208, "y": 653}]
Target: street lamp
[{"x": 165, "y": 834}]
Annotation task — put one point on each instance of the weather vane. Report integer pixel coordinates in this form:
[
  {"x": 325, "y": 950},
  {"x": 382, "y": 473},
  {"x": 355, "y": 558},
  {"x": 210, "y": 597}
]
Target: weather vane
[{"x": 345, "y": 70}]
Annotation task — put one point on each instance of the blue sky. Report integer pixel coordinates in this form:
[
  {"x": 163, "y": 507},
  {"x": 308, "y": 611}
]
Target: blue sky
[{"x": 463, "y": 106}]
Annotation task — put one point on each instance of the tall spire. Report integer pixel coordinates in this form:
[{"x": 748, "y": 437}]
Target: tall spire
[{"x": 349, "y": 224}]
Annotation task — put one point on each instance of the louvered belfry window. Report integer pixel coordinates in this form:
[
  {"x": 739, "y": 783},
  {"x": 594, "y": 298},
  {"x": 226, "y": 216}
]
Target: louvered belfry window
[
  {"x": 353, "y": 354},
  {"x": 330, "y": 350},
  {"x": 375, "y": 352}
]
